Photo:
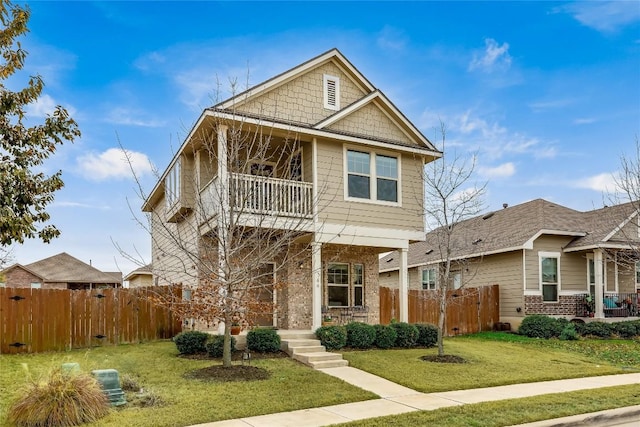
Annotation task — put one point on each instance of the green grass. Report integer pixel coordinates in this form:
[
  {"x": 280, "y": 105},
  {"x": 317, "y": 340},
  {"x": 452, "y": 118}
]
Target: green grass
[
  {"x": 499, "y": 359},
  {"x": 514, "y": 411},
  {"x": 494, "y": 359},
  {"x": 291, "y": 386}
]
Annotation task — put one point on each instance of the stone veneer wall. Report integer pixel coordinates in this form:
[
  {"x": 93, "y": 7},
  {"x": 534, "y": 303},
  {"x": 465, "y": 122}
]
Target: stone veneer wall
[
  {"x": 567, "y": 305},
  {"x": 295, "y": 298}
]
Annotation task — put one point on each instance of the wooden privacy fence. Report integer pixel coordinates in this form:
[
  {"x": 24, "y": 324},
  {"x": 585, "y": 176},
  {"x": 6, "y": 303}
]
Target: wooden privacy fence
[
  {"x": 469, "y": 310},
  {"x": 36, "y": 320}
]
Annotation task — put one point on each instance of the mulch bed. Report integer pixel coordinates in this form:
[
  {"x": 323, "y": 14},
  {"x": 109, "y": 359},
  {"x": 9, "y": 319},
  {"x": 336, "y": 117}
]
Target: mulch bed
[
  {"x": 237, "y": 372},
  {"x": 446, "y": 358}
]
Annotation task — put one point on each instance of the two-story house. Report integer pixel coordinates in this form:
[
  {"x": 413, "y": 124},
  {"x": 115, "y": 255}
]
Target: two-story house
[{"x": 317, "y": 149}]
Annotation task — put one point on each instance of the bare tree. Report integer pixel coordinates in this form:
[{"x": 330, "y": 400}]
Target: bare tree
[
  {"x": 449, "y": 199},
  {"x": 237, "y": 212}
]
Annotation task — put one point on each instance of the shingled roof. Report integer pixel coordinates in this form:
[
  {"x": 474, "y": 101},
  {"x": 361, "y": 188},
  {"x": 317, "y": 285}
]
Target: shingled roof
[
  {"x": 63, "y": 268},
  {"x": 515, "y": 228}
]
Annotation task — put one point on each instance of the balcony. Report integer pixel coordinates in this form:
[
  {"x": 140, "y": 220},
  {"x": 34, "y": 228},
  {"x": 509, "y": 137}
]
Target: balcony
[{"x": 258, "y": 195}]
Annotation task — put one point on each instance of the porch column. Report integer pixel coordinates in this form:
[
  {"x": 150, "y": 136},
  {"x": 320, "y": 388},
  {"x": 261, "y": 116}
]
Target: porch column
[
  {"x": 223, "y": 171},
  {"x": 403, "y": 276},
  {"x": 599, "y": 285},
  {"x": 316, "y": 283}
]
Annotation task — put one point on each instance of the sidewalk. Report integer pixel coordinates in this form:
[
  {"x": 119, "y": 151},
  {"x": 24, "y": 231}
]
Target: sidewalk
[{"x": 396, "y": 399}]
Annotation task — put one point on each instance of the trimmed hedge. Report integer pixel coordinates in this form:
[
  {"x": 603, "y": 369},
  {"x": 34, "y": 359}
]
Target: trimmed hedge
[
  {"x": 263, "y": 340},
  {"x": 332, "y": 337},
  {"x": 360, "y": 335},
  {"x": 427, "y": 334},
  {"x": 385, "y": 336},
  {"x": 215, "y": 345},
  {"x": 598, "y": 329},
  {"x": 541, "y": 326},
  {"x": 191, "y": 342},
  {"x": 407, "y": 335},
  {"x": 569, "y": 333}
]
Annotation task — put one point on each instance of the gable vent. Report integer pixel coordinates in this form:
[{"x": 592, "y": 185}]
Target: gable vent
[{"x": 331, "y": 92}]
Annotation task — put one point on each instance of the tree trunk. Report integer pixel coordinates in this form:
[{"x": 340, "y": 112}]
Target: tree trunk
[
  {"x": 441, "y": 320},
  {"x": 226, "y": 347}
]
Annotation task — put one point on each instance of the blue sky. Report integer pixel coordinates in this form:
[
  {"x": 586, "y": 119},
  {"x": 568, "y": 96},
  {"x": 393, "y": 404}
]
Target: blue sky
[{"x": 547, "y": 93}]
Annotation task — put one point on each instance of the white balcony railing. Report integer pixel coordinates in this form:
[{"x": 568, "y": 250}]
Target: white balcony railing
[
  {"x": 260, "y": 196},
  {"x": 271, "y": 196}
]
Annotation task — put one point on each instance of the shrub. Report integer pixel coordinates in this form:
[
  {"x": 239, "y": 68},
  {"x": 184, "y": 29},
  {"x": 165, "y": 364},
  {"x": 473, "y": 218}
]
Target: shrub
[
  {"x": 385, "y": 336},
  {"x": 407, "y": 335},
  {"x": 569, "y": 333},
  {"x": 61, "y": 399},
  {"x": 332, "y": 337},
  {"x": 541, "y": 326},
  {"x": 263, "y": 340},
  {"x": 191, "y": 342},
  {"x": 215, "y": 345},
  {"x": 427, "y": 334},
  {"x": 626, "y": 329},
  {"x": 360, "y": 335},
  {"x": 598, "y": 329},
  {"x": 129, "y": 383}
]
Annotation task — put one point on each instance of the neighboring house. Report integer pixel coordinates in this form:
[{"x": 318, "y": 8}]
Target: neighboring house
[
  {"x": 356, "y": 183},
  {"x": 543, "y": 256},
  {"x": 140, "y": 277},
  {"x": 60, "y": 271}
]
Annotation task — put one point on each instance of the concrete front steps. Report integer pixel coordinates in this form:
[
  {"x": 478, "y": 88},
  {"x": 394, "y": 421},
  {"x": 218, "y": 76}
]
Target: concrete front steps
[{"x": 304, "y": 347}]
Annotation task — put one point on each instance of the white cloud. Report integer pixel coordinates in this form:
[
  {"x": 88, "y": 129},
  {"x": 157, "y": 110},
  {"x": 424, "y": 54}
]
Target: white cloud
[
  {"x": 80, "y": 205},
  {"x": 41, "y": 107},
  {"x": 604, "y": 182},
  {"x": 501, "y": 171},
  {"x": 124, "y": 116},
  {"x": 492, "y": 58},
  {"x": 584, "y": 121},
  {"x": 113, "y": 163},
  {"x": 604, "y": 16},
  {"x": 391, "y": 38},
  {"x": 550, "y": 105}
]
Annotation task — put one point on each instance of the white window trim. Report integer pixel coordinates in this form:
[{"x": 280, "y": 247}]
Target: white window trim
[
  {"x": 350, "y": 286},
  {"x": 326, "y": 78},
  {"x": 373, "y": 190},
  {"x": 549, "y": 255},
  {"x": 637, "y": 264},
  {"x": 435, "y": 279}
]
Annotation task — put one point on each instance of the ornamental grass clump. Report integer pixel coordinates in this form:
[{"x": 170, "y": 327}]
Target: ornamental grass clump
[{"x": 61, "y": 399}]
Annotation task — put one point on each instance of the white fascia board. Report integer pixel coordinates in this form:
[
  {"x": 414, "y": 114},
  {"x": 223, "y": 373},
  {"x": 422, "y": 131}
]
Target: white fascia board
[
  {"x": 529, "y": 243},
  {"x": 473, "y": 255},
  {"x": 365, "y": 236},
  {"x": 421, "y": 151},
  {"x": 620, "y": 226},
  {"x": 623, "y": 246},
  {"x": 345, "y": 111}
]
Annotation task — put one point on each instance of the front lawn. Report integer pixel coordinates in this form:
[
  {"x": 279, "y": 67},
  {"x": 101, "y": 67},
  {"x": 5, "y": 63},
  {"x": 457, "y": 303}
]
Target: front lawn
[
  {"x": 499, "y": 359},
  {"x": 157, "y": 368},
  {"x": 513, "y": 411}
]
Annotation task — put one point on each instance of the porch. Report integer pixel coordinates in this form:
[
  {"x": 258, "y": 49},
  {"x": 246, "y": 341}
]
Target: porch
[{"x": 614, "y": 305}]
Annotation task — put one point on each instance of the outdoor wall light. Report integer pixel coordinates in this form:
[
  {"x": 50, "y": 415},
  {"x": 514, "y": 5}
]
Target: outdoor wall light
[{"x": 518, "y": 309}]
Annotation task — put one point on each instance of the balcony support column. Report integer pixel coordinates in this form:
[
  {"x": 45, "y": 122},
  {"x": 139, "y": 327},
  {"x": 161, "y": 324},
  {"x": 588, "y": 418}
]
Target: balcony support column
[
  {"x": 599, "y": 284},
  {"x": 316, "y": 283},
  {"x": 403, "y": 284}
]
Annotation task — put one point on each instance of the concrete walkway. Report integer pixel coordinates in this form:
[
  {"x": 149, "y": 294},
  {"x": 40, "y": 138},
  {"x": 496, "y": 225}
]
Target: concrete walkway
[{"x": 396, "y": 399}]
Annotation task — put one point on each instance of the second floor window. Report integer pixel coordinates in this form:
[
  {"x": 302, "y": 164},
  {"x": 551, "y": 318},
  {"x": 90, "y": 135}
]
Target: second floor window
[
  {"x": 638, "y": 274},
  {"x": 172, "y": 185},
  {"x": 372, "y": 176}
]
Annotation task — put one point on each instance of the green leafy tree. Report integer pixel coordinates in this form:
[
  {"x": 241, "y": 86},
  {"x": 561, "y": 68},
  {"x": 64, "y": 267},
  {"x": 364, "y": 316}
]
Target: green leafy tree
[{"x": 25, "y": 191}]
